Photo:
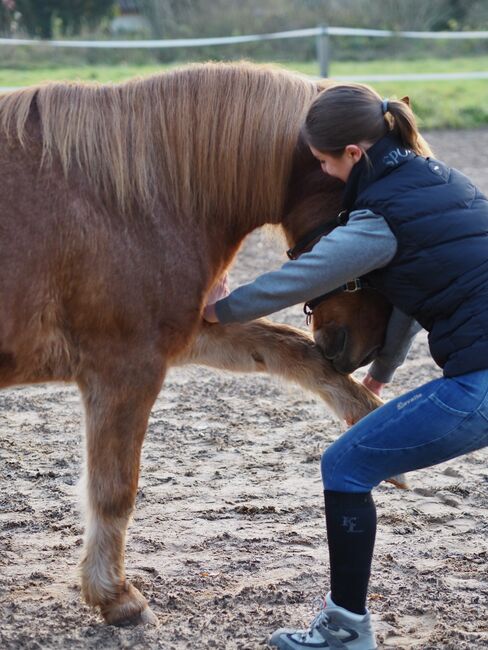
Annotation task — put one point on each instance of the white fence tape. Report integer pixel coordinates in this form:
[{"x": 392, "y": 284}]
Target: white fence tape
[
  {"x": 249, "y": 38},
  {"x": 351, "y": 31},
  {"x": 429, "y": 76}
]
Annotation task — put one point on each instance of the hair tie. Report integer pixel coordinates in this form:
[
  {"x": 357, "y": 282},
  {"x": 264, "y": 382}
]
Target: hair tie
[{"x": 384, "y": 106}]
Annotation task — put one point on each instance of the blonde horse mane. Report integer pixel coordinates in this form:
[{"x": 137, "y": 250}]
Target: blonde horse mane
[{"x": 213, "y": 141}]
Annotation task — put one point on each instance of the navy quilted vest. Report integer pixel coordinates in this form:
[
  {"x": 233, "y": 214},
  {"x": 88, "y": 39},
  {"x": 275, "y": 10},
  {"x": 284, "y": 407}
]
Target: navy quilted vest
[{"x": 439, "y": 274}]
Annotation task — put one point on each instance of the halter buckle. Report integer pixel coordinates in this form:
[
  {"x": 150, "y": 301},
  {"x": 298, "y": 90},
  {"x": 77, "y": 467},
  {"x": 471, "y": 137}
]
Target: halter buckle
[
  {"x": 308, "y": 311},
  {"x": 353, "y": 285},
  {"x": 342, "y": 218}
]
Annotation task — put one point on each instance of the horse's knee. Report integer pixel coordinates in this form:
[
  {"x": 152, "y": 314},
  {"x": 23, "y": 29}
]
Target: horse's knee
[{"x": 110, "y": 493}]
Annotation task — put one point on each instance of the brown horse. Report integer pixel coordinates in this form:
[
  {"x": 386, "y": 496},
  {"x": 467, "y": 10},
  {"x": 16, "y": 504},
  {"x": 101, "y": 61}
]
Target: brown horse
[{"x": 120, "y": 206}]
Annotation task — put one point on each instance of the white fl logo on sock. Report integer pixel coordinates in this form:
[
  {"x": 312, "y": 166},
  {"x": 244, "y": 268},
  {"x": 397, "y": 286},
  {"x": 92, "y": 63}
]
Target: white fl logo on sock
[{"x": 350, "y": 523}]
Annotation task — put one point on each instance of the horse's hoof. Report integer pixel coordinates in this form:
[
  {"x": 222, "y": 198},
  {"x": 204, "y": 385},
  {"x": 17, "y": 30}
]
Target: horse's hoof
[
  {"x": 130, "y": 608},
  {"x": 146, "y": 617}
]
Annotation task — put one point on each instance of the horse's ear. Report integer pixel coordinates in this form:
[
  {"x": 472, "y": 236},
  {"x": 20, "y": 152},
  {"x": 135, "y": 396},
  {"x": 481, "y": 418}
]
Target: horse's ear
[{"x": 406, "y": 100}]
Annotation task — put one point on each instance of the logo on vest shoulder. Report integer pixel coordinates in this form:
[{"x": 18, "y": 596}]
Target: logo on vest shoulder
[
  {"x": 436, "y": 167},
  {"x": 391, "y": 159}
]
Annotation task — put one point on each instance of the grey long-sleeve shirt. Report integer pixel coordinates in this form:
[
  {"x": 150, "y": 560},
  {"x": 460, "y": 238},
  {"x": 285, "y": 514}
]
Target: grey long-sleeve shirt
[{"x": 365, "y": 243}]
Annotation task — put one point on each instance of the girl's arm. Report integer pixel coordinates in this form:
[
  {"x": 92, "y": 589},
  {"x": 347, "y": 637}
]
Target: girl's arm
[
  {"x": 400, "y": 333},
  {"x": 348, "y": 252}
]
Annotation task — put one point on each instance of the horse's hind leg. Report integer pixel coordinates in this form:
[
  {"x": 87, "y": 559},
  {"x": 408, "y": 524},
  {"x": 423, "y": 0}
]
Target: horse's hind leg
[{"x": 117, "y": 401}]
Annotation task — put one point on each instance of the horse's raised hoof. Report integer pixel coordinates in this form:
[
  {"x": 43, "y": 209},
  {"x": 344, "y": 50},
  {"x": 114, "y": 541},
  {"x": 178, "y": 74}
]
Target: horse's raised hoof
[
  {"x": 129, "y": 609},
  {"x": 399, "y": 481}
]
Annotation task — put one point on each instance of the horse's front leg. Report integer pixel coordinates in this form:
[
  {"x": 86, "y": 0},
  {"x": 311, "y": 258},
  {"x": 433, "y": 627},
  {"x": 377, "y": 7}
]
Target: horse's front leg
[
  {"x": 118, "y": 396},
  {"x": 264, "y": 346}
]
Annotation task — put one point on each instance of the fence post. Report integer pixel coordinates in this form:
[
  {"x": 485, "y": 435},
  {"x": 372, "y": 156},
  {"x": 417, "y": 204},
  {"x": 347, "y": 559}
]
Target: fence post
[{"x": 323, "y": 50}]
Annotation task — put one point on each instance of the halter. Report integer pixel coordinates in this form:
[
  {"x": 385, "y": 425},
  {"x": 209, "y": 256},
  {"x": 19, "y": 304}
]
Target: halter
[
  {"x": 305, "y": 243},
  {"x": 350, "y": 287}
]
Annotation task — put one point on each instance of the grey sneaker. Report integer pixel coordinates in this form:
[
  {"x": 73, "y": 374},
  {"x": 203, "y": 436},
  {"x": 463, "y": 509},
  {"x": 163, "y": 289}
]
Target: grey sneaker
[{"x": 332, "y": 627}]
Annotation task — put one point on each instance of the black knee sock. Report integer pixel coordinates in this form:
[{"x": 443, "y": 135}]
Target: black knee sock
[{"x": 351, "y": 531}]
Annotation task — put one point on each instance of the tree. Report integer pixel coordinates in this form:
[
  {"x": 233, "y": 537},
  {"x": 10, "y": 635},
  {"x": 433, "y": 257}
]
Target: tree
[
  {"x": 7, "y": 8},
  {"x": 168, "y": 18},
  {"x": 38, "y": 16}
]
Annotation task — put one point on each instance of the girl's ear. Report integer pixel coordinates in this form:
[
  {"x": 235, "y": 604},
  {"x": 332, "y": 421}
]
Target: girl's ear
[
  {"x": 406, "y": 100},
  {"x": 354, "y": 151}
]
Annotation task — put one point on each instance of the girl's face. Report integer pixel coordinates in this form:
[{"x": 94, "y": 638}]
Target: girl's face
[{"x": 339, "y": 166}]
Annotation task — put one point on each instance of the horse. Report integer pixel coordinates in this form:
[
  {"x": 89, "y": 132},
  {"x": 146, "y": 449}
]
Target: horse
[{"x": 120, "y": 207}]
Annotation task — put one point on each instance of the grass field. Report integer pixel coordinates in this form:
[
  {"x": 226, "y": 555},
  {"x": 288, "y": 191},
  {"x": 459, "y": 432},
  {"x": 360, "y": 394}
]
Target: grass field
[{"x": 439, "y": 104}]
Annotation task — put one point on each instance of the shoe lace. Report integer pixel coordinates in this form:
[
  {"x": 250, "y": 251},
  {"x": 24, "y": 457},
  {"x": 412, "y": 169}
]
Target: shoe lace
[
  {"x": 318, "y": 604},
  {"x": 318, "y": 608}
]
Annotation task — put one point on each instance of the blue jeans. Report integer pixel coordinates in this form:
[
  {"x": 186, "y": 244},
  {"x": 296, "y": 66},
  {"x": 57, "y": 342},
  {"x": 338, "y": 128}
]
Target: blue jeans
[{"x": 442, "y": 419}]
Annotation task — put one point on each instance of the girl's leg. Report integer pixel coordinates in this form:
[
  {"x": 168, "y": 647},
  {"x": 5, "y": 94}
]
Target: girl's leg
[
  {"x": 440, "y": 420},
  {"x": 351, "y": 529}
]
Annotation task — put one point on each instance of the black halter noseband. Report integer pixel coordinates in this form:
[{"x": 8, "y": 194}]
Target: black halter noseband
[{"x": 305, "y": 243}]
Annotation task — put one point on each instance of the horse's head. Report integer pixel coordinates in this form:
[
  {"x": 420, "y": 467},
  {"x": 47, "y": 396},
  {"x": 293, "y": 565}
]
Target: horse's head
[
  {"x": 350, "y": 328},
  {"x": 349, "y": 324}
]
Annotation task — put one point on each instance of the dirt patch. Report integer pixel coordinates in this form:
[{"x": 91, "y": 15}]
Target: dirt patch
[{"x": 227, "y": 541}]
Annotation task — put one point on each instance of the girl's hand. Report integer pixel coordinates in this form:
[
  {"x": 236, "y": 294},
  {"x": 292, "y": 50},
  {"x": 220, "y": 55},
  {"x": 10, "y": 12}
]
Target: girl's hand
[
  {"x": 219, "y": 290},
  {"x": 374, "y": 386},
  {"x": 209, "y": 314}
]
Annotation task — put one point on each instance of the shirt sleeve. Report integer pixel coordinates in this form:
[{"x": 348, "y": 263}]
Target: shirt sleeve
[
  {"x": 400, "y": 332},
  {"x": 365, "y": 243}
]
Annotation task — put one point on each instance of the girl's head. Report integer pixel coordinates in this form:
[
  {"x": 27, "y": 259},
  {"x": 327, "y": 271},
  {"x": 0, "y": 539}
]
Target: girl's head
[{"x": 346, "y": 119}]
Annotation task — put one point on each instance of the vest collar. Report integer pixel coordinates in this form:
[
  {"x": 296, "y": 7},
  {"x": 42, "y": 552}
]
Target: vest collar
[{"x": 384, "y": 156}]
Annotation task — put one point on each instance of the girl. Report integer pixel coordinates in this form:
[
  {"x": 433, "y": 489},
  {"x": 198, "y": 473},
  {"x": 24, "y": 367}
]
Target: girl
[{"x": 419, "y": 232}]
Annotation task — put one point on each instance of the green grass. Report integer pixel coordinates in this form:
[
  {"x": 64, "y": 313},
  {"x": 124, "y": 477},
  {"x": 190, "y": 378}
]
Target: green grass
[
  {"x": 393, "y": 66},
  {"x": 438, "y": 104},
  {"x": 102, "y": 73}
]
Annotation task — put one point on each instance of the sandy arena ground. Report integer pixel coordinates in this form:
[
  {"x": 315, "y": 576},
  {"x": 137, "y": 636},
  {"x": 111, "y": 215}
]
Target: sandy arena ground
[{"x": 227, "y": 541}]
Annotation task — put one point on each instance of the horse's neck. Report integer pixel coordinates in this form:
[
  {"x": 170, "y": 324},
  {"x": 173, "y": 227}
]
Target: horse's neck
[{"x": 223, "y": 242}]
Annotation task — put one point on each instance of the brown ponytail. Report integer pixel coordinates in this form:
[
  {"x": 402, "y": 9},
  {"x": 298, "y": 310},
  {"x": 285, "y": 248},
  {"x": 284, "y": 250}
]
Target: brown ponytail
[
  {"x": 404, "y": 125},
  {"x": 353, "y": 113}
]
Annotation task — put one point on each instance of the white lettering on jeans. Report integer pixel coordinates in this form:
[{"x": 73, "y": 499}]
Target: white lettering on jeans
[{"x": 402, "y": 405}]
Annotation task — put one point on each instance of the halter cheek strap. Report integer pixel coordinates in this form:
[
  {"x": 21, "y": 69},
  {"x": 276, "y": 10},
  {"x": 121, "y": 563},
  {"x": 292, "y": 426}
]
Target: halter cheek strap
[
  {"x": 305, "y": 244},
  {"x": 324, "y": 229},
  {"x": 350, "y": 287}
]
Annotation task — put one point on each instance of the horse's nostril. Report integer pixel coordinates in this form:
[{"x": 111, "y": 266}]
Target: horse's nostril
[{"x": 332, "y": 342}]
